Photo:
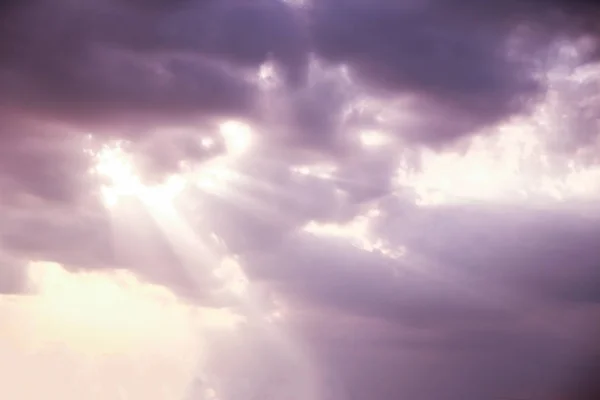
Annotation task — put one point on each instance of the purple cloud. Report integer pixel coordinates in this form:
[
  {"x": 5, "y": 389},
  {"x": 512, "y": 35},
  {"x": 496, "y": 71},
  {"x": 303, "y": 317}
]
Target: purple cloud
[{"x": 412, "y": 214}]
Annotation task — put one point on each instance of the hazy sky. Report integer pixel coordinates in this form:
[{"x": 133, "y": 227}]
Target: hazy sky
[{"x": 299, "y": 200}]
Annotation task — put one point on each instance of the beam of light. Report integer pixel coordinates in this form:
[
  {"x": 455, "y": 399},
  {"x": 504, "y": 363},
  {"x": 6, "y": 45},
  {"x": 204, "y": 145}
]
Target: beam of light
[
  {"x": 192, "y": 247},
  {"x": 234, "y": 282},
  {"x": 220, "y": 178},
  {"x": 116, "y": 168}
]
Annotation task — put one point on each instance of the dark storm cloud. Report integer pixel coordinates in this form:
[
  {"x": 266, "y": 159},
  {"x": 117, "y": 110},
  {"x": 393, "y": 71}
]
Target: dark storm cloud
[
  {"x": 462, "y": 65},
  {"x": 118, "y": 57},
  {"x": 470, "y": 64},
  {"x": 39, "y": 163},
  {"x": 103, "y": 57}
]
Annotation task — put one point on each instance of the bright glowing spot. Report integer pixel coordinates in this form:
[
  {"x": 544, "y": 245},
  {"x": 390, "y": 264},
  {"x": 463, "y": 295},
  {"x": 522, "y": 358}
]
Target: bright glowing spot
[
  {"x": 207, "y": 142},
  {"x": 373, "y": 139},
  {"x": 113, "y": 164},
  {"x": 162, "y": 195},
  {"x": 116, "y": 167},
  {"x": 237, "y": 136}
]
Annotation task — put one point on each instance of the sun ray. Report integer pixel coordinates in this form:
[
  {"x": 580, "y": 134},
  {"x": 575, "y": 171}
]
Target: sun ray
[{"x": 193, "y": 248}]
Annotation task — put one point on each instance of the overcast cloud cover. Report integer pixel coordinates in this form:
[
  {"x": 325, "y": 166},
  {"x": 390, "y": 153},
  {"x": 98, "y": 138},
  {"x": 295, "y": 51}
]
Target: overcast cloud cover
[{"x": 301, "y": 199}]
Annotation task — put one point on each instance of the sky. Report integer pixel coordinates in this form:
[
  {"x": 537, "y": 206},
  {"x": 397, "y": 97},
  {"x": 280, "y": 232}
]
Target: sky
[{"x": 299, "y": 199}]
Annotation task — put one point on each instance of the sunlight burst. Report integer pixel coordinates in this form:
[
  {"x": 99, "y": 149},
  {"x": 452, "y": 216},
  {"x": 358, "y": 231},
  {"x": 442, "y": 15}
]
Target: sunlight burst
[
  {"x": 115, "y": 167},
  {"x": 237, "y": 136}
]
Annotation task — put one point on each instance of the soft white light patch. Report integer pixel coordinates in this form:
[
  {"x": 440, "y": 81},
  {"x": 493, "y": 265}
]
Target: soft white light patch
[
  {"x": 373, "y": 139},
  {"x": 116, "y": 168},
  {"x": 207, "y": 142},
  {"x": 237, "y": 136},
  {"x": 512, "y": 165},
  {"x": 268, "y": 76},
  {"x": 101, "y": 335},
  {"x": 358, "y": 233},
  {"x": 320, "y": 171},
  {"x": 231, "y": 273},
  {"x": 113, "y": 165},
  {"x": 297, "y": 3},
  {"x": 214, "y": 176},
  {"x": 106, "y": 313}
]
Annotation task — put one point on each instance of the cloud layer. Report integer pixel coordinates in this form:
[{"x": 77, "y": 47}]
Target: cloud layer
[{"x": 396, "y": 198}]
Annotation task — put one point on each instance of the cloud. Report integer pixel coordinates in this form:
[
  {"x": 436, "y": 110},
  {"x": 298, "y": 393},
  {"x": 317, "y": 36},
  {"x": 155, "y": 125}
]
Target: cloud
[
  {"x": 396, "y": 198},
  {"x": 120, "y": 60},
  {"x": 105, "y": 60},
  {"x": 109, "y": 334},
  {"x": 484, "y": 300},
  {"x": 429, "y": 53},
  {"x": 441, "y": 278}
]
